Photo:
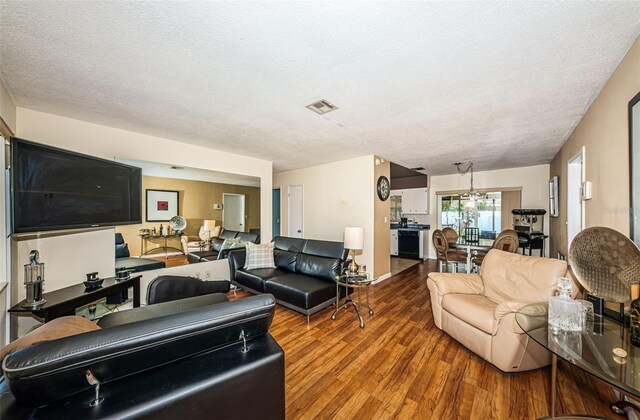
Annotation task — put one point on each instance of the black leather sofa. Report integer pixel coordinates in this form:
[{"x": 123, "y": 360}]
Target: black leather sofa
[
  {"x": 304, "y": 277},
  {"x": 191, "y": 364},
  {"x": 124, "y": 261},
  {"x": 216, "y": 252}
]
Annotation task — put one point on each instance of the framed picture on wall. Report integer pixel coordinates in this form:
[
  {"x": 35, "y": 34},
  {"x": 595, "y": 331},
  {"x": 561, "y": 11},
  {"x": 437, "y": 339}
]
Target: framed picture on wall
[
  {"x": 634, "y": 163},
  {"x": 161, "y": 205},
  {"x": 553, "y": 197}
]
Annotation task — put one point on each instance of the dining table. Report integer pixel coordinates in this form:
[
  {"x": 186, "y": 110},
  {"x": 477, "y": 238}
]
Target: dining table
[{"x": 470, "y": 246}]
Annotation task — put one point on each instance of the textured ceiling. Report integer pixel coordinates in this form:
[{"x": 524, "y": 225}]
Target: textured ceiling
[{"x": 420, "y": 83}]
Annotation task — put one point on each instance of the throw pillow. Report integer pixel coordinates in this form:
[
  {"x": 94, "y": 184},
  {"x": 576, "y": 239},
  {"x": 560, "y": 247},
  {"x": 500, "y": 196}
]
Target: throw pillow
[
  {"x": 52, "y": 330},
  {"x": 259, "y": 256},
  {"x": 122, "y": 251}
]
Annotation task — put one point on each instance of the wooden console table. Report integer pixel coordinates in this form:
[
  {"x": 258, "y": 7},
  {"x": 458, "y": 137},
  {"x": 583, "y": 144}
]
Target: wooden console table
[{"x": 64, "y": 302}]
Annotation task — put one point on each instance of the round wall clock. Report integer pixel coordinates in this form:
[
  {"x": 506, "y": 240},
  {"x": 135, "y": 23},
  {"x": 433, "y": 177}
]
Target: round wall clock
[{"x": 384, "y": 188}]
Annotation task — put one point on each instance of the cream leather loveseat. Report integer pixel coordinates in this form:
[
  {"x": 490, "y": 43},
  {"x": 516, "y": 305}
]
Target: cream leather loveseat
[{"x": 478, "y": 310}]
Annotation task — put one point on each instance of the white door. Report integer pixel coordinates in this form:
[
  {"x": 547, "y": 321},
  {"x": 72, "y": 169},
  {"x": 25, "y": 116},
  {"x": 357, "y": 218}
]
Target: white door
[
  {"x": 233, "y": 212},
  {"x": 575, "y": 205},
  {"x": 296, "y": 227}
]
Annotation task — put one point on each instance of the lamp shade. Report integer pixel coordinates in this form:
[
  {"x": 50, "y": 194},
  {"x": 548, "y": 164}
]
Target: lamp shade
[
  {"x": 209, "y": 225},
  {"x": 354, "y": 238}
]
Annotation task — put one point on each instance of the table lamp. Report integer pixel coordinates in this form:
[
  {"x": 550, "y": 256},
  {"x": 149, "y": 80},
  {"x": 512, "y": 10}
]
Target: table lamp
[
  {"x": 209, "y": 226},
  {"x": 353, "y": 241}
]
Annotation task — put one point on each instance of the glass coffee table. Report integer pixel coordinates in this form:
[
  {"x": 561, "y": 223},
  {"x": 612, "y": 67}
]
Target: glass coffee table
[
  {"x": 353, "y": 281},
  {"x": 591, "y": 351}
]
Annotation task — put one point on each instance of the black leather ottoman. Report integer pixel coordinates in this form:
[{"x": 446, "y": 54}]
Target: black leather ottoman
[{"x": 200, "y": 256}]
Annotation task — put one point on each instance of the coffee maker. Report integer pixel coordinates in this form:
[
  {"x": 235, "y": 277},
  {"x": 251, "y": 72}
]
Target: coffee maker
[{"x": 403, "y": 222}]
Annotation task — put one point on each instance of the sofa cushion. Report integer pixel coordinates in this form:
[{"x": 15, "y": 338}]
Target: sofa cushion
[
  {"x": 475, "y": 310},
  {"x": 312, "y": 265},
  {"x": 248, "y": 237},
  {"x": 509, "y": 276},
  {"x": 327, "y": 249},
  {"x": 285, "y": 259},
  {"x": 286, "y": 243},
  {"x": 301, "y": 290},
  {"x": 122, "y": 251},
  {"x": 228, "y": 234},
  {"x": 255, "y": 279}
]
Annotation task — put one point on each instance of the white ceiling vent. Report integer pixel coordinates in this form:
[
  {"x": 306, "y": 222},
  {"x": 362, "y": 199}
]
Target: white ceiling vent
[{"x": 322, "y": 107}]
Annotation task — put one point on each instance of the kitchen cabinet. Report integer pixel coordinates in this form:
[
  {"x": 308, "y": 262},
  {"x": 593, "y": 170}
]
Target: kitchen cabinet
[
  {"x": 394, "y": 242},
  {"x": 413, "y": 200}
]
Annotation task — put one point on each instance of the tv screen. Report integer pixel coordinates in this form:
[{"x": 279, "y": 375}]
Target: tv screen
[{"x": 54, "y": 189}]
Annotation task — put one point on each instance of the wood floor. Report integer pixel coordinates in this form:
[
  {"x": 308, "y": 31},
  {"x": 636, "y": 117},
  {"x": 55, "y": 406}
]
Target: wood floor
[
  {"x": 400, "y": 264},
  {"x": 401, "y": 366}
]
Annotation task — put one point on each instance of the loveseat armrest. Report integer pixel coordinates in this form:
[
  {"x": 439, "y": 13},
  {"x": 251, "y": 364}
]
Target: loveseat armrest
[
  {"x": 448, "y": 283},
  {"x": 537, "y": 314},
  {"x": 236, "y": 258}
]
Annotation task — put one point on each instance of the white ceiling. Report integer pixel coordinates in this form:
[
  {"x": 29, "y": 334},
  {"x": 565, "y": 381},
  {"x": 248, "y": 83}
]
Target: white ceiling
[
  {"x": 180, "y": 172},
  {"x": 420, "y": 83}
]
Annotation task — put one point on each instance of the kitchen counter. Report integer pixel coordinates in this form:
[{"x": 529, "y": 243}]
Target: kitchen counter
[{"x": 396, "y": 226}]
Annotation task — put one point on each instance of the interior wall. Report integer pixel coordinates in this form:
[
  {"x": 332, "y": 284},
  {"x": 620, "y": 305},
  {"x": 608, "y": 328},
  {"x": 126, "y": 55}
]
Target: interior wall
[
  {"x": 7, "y": 108},
  {"x": 418, "y": 181},
  {"x": 382, "y": 214},
  {"x": 195, "y": 203},
  {"x": 336, "y": 195},
  {"x": 533, "y": 180},
  {"x": 604, "y": 132},
  {"x": 108, "y": 143}
]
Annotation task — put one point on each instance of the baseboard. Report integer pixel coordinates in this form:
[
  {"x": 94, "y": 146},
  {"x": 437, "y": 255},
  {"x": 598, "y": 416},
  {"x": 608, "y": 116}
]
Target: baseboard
[{"x": 381, "y": 278}]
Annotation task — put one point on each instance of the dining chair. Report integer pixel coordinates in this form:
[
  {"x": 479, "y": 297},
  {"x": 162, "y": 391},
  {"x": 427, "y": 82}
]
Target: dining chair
[
  {"x": 446, "y": 255},
  {"x": 451, "y": 234},
  {"x": 506, "y": 241}
]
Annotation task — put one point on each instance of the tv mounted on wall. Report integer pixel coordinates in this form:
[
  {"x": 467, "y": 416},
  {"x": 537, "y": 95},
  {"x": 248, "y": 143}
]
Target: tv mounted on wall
[{"x": 54, "y": 189}]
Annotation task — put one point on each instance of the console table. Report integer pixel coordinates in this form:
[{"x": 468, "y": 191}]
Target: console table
[
  {"x": 165, "y": 248},
  {"x": 63, "y": 302}
]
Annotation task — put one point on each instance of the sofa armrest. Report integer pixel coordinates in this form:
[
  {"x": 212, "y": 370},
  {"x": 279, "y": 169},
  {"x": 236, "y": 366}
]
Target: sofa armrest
[
  {"x": 537, "y": 314},
  {"x": 448, "y": 283},
  {"x": 236, "y": 258}
]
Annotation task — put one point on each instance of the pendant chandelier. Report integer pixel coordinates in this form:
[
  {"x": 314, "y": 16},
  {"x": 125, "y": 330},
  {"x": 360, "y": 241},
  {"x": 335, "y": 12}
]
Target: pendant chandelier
[{"x": 471, "y": 193}]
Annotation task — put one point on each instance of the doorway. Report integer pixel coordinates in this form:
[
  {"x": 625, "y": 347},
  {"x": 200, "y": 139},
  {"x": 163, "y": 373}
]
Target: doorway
[
  {"x": 275, "y": 212},
  {"x": 296, "y": 205},
  {"x": 233, "y": 212},
  {"x": 575, "y": 204}
]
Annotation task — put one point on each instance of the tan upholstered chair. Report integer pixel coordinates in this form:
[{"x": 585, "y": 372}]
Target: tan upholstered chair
[
  {"x": 478, "y": 310},
  {"x": 199, "y": 243},
  {"x": 445, "y": 254}
]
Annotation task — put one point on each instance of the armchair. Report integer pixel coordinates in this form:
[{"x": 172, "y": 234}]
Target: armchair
[
  {"x": 200, "y": 242},
  {"x": 478, "y": 310}
]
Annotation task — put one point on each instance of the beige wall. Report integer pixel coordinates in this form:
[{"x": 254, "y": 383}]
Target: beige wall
[
  {"x": 336, "y": 195},
  {"x": 196, "y": 199},
  {"x": 533, "y": 180},
  {"x": 382, "y": 213},
  {"x": 604, "y": 132}
]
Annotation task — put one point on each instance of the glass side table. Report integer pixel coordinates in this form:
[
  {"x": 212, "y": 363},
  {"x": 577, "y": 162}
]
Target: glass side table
[
  {"x": 593, "y": 351},
  {"x": 353, "y": 281}
]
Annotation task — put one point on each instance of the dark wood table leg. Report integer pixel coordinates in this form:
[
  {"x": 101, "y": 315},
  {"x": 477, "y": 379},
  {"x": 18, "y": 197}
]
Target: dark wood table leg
[{"x": 136, "y": 293}]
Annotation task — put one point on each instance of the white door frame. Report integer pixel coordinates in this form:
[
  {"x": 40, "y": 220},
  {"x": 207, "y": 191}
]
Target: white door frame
[
  {"x": 289, "y": 209},
  {"x": 578, "y": 158},
  {"x": 243, "y": 215}
]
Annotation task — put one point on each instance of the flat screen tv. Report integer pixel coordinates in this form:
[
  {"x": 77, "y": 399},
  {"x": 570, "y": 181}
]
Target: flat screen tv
[{"x": 54, "y": 189}]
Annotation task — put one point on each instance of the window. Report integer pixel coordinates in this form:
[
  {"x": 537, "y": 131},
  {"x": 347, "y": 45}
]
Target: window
[{"x": 484, "y": 213}]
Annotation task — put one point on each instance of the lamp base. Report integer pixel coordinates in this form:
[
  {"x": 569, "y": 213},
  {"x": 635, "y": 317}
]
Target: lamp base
[{"x": 353, "y": 267}]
